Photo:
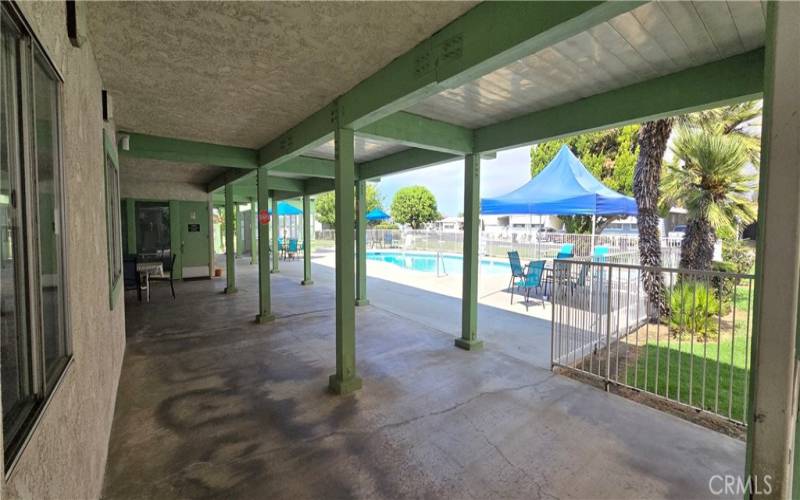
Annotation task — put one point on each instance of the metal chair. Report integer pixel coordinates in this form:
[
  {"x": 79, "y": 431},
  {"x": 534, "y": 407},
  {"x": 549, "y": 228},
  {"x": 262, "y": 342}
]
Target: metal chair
[
  {"x": 532, "y": 280},
  {"x": 517, "y": 271},
  {"x": 169, "y": 266},
  {"x": 130, "y": 278}
]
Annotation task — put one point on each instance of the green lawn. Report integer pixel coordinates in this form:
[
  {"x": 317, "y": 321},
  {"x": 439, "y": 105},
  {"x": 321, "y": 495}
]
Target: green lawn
[{"x": 723, "y": 365}]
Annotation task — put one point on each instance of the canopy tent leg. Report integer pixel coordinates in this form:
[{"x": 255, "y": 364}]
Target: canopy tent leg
[{"x": 594, "y": 227}]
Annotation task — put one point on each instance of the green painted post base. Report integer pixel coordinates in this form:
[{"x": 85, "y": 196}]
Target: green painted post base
[
  {"x": 469, "y": 345},
  {"x": 307, "y": 282},
  {"x": 230, "y": 289},
  {"x": 362, "y": 302},
  {"x": 264, "y": 318},
  {"x": 342, "y": 387}
]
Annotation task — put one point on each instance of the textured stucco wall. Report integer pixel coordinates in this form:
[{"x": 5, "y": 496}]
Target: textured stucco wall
[
  {"x": 66, "y": 455},
  {"x": 163, "y": 191}
]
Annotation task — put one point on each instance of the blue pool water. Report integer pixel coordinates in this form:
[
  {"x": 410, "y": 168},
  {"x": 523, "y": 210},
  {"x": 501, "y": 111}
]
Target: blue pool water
[{"x": 426, "y": 262}]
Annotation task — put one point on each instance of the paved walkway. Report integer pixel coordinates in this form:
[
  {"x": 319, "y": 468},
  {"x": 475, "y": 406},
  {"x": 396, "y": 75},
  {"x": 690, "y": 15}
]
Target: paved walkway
[{"x": 211, "y": 404}]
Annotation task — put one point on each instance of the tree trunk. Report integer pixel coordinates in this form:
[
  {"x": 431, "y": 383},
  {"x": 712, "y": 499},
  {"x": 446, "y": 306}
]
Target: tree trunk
[
  {"x": 653, "y": 137},
  {"x": 697, "y": 247}
]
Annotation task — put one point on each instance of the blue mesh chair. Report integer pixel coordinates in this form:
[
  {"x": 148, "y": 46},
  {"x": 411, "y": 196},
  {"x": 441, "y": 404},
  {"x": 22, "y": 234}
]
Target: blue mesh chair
[
  {"x": 291, "y": 251},
  {"x": 532, "y": 280},
  {"x": 517, "y": 271}
]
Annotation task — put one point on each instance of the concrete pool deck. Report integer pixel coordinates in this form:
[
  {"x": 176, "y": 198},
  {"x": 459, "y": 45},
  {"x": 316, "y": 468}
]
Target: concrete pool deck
[{"x": 211, "y": 404}]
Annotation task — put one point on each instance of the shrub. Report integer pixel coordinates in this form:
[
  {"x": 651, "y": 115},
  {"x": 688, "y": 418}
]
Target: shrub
[
  {"x": 694, "y": 310},
  {"x": 738, "y": 259},
  {"x": 386, "y": 225}
]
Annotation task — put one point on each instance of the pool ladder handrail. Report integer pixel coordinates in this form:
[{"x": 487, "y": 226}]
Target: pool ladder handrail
[{"x": 438, "y": 259}]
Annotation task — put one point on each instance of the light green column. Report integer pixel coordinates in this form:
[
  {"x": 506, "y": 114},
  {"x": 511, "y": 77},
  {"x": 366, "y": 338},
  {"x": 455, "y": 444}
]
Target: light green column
[
  {"x": 772, "y": 407},
  {"x": 264, "y": 292},
  {"x": 230, "y": 237},
  {"x": 276, "y": 256},
  {"x": 469, "y": 291},
  {"x": 361, "y": 243},
  {"x": 307, "y": 240},
  {"x": 239, "y": 232},
  {"x": 253, "y": 232},
  {"x": 345, "y": 379}
]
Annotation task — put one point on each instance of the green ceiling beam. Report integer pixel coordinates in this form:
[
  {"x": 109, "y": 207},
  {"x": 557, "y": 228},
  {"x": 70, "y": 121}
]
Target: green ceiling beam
[
  {"x": 730, "y": 80},
  {"x": 404, "y": 160},
  {"x": 278, "y": 183},
  {"x": 180, "y": 150},
  {"x": 301, "y": 165},
  {"x": 420, "y": 132},
  {"x": 317, "y": 186},
  {"x": 458, "y": 53}
]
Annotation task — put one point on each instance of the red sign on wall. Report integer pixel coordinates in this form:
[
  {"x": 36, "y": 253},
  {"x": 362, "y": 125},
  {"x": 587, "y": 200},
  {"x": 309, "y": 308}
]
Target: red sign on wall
[{"x": 263, "y": 217}]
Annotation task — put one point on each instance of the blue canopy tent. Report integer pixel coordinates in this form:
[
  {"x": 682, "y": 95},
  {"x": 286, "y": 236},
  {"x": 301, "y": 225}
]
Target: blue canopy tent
[
  {"x": 564, "y": 187},
  {"x": 377, "y": 214}
]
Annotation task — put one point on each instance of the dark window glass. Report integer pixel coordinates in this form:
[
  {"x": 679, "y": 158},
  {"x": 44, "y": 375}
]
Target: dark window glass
[
  {"x": 152, "y": 230},
  {"x": 48, "y": 206},
  {"x": 15, "y": 345}
]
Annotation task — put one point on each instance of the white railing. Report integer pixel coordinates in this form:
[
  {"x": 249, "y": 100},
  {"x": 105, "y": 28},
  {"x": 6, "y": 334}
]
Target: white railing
[
  {"x": 623, "y": 249},
  {"x": 692, "y": 347}
]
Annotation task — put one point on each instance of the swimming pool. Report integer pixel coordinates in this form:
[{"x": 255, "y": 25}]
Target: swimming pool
[{"x": 426, "y": 262}]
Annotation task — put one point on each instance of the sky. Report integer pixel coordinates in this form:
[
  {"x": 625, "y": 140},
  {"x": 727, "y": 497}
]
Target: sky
[{"x": 508, "y": 171}]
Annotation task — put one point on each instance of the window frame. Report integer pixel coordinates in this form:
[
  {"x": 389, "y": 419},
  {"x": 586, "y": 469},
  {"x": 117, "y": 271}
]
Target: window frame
[
  {"x": 113, "y": 217},
  {"x": 44, "y": 383}
]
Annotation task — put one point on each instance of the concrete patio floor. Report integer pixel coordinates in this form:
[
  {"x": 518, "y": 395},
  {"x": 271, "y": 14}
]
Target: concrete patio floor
[{"x": 211, "y": 404}]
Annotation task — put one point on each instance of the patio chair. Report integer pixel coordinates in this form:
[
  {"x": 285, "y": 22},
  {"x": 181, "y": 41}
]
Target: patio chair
[
  {"x": 566, "y": 251},
  {"x": 532, "y": 280},
  {"x": 169, "y": 275},
  {"x": 517, "y": 271},
  {"x": 130, "y": 278},
  {"x": 291, "y": 251},
  {"x": 600, "y": 254},
  {"x": 387, "y": 240}
]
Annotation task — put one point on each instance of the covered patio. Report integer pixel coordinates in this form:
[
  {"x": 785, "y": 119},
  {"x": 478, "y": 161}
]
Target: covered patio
[
  {"x": 251, "y": 364},
  {"x": 208, "y": 405}
]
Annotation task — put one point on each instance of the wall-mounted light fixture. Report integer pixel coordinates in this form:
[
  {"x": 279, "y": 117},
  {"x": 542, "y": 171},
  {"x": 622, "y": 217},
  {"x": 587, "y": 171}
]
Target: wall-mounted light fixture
[{"x": 125, "y": 142}]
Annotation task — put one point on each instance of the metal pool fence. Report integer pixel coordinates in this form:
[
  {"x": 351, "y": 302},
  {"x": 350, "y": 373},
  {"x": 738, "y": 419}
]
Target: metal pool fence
[
  {"x": 623, "y": 249},
  {"x": 693, "y": 350}
]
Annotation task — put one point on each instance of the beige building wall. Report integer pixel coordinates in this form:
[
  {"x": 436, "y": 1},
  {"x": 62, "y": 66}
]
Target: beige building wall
[
  {"x": 65, "y": 456},
  {"x": 147, "y": 190}
]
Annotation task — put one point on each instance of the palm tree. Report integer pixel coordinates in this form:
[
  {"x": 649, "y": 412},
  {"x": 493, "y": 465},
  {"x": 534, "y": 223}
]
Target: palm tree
[
  {"x": 709, "y": 181},
  {"x": 653, "y": 137},
  {"x": 736, "y": 119}
]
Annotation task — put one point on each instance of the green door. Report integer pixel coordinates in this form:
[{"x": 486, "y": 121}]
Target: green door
[{"x": 195, "y": 254}]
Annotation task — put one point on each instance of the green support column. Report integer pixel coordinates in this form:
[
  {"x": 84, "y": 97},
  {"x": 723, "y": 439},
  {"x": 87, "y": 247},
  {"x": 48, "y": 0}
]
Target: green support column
[
  {"x": 239, "y": 232},
  {"x": 253, "y": 232},
  {"x": 345, "y": 379},
  {"x": 264, "y": 292},
  {"x": 130, "y": 223},
  {"x": 276, "y": 256},
  {"x": 230, "y": 238},
  {"x": 469, "y": 291},
  {"x": 307, "y": 240},
  {"x": 361, "y": 244}
]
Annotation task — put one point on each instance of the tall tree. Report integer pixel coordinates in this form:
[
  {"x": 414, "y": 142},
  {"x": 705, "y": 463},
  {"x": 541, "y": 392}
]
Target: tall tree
[
  {"x": 708, "y": 179},
  {"x": 609, "y": 155},
  {"x": 653, "y": 138},
  {"x": 325, "y": 204},
  {"x": 414, "y": 205}
]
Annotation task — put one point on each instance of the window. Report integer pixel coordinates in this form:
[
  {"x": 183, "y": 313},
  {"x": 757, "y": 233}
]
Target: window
[
  {"x": 113, "y": 217},
  {"x": 34, "y": 342}
]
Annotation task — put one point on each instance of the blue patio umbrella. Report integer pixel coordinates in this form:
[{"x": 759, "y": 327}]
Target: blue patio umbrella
[
  {"x": 287, "y": 209},
  {"x": 377, "y": 214}
]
